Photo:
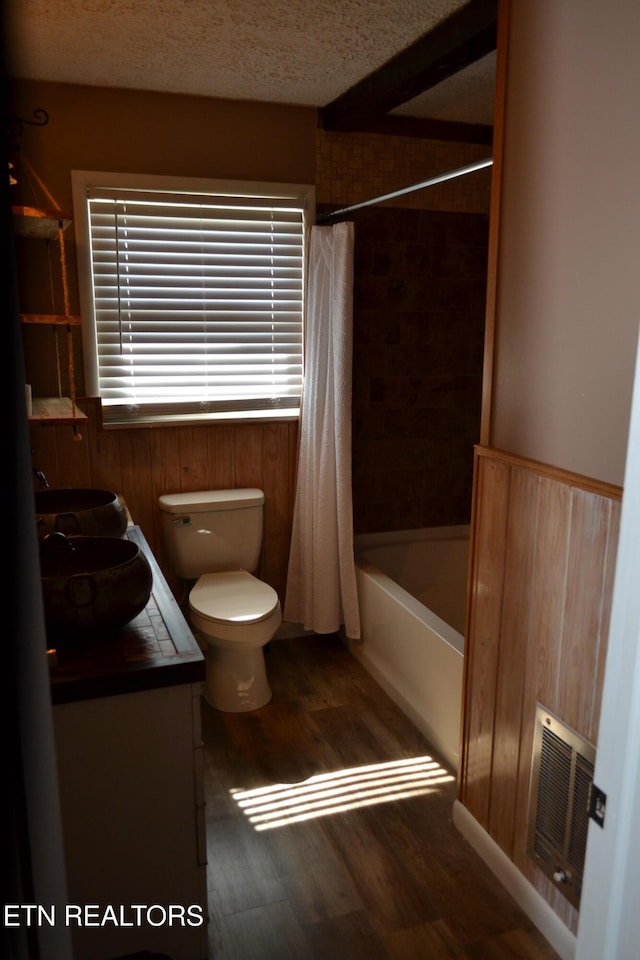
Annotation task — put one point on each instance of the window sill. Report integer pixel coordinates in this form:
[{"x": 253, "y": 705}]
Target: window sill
[{"x": 202, "y": 420}]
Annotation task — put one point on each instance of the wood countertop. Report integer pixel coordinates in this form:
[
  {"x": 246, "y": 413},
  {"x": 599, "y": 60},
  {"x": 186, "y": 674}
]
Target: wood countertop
[{"x": 156, "y": 649}]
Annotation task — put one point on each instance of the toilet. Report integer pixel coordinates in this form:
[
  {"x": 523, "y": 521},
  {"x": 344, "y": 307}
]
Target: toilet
[{"x": 214, "y": 537}]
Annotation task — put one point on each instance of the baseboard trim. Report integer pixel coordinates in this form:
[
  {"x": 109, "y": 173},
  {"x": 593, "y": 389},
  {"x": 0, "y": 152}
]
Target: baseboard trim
[{"x": 524, "y": 893}]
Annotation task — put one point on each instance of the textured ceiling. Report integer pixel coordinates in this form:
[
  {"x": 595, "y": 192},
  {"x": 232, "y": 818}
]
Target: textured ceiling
[{"x": 305, "y": 52}]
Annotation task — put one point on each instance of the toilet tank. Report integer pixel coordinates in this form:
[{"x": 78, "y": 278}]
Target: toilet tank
[{"x": 212, "y": 530}]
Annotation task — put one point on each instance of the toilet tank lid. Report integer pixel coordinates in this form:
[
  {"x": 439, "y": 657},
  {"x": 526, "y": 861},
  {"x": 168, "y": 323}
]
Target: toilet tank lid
[{"x": 201, "y": 500}]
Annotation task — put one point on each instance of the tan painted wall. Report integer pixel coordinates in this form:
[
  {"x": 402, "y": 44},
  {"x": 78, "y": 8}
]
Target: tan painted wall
[
  {"x": 95, "y": 128},
  {"x": 568, "y": 299}
]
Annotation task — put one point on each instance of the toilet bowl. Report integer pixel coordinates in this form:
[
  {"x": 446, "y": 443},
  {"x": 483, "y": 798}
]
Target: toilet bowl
[
  {"x": 234, "y": 615},
  {"x": 214, "y": 537}
]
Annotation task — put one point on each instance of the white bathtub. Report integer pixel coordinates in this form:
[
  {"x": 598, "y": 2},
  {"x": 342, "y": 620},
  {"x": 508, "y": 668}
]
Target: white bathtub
[{"x": 412, "y": 597}]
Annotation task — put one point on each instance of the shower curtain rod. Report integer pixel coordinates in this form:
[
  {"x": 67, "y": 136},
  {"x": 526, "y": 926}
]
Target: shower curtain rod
[{"x": 460, "y": 172}]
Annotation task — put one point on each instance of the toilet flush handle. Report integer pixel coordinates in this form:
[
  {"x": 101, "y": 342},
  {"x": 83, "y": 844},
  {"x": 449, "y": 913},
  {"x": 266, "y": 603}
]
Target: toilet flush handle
[{"x": 181, "y": 522}]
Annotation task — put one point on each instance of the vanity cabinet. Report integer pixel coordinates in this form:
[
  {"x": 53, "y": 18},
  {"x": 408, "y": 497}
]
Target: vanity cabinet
[
  {"x": 131, "y": 794},
  {"x": 130, "y": 766}
]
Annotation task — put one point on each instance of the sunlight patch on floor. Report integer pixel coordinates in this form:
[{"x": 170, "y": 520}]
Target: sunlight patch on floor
[{"x": 329, "y": 793}]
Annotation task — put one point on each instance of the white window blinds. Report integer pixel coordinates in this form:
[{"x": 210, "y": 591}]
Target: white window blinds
[{"x": 197, "y": 305}]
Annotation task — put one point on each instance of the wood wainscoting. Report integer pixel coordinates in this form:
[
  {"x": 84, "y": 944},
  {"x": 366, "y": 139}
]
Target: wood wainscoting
[
  {"x": 141, "y": 464},
  {"x": 540, "y": 589}
]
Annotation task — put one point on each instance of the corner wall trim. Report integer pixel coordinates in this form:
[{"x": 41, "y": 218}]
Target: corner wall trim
[{"x": 537, "y": 909}]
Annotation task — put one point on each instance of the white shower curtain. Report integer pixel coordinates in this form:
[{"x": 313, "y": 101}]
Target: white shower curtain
[{"x": 321, "y": 589}]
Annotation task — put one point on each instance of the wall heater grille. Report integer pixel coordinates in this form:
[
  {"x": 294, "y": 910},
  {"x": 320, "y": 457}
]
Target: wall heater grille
[{"x": 561, "y": 777}]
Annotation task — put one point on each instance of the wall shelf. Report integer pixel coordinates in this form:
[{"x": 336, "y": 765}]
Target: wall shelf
[
  {"x": 46, "y": 224},
  {"x": 39, "y": 223},
  {"x": 55, "y": 410},
  {"x": 49, "y": 318}
]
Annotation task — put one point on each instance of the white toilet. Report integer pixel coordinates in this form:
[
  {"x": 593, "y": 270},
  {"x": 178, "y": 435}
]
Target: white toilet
[{"x": 215, "y": 537}]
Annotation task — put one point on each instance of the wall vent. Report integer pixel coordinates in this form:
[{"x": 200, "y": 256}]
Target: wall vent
[{"x": 561, "y": 777}]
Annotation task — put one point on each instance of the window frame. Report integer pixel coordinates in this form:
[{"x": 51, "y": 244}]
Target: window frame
[{"x": 82, "y": 180}]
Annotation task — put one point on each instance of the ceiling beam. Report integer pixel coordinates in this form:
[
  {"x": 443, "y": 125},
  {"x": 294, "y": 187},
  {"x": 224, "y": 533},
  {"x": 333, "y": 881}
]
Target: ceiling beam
[
  {"x": 453, "y": 131},
  {"x": 466, "y": 36}
]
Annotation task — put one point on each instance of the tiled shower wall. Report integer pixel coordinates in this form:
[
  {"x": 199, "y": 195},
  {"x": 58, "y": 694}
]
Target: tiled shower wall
[
  {"x": 419, "y": 304},
  {"x": 419, "y": 309}
]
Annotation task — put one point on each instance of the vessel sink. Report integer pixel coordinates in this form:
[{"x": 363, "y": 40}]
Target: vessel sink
[
  {"x": 92, "y": 586},
  {"x": 82, "y": 511}
]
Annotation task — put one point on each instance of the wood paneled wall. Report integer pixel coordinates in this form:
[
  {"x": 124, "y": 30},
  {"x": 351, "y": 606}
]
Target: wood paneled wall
[
  {"x": 540, "y": 588},
  {"x": 140, "y": 465}
]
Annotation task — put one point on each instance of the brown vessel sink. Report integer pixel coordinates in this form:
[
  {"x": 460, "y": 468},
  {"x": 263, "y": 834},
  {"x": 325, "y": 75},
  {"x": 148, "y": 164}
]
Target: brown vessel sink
[
  {"x": 92, "y": 586},
  {"x": 80, "y": 511}
]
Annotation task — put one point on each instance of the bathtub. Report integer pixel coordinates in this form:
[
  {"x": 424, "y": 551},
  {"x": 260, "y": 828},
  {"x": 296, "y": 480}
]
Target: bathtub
[{"x": 412, "y": 598}]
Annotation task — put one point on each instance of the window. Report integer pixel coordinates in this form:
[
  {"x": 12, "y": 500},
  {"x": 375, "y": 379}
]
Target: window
[{"x": 191, "y": 297}]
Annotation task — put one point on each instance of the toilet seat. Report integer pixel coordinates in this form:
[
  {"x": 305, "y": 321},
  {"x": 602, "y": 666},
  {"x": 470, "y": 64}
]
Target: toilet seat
[{"x": 232, "y": 597}]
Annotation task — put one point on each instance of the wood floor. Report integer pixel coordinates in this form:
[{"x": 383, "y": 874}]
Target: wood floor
[{"x": 389, "y": 880}]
